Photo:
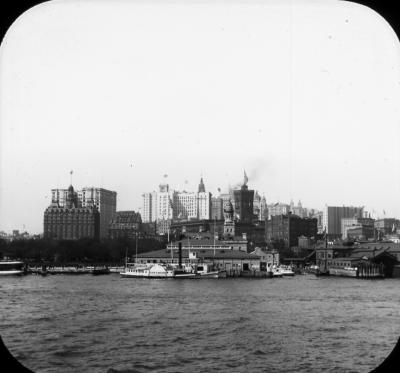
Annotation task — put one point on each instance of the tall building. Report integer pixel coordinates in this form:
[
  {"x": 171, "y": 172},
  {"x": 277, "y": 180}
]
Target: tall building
[
  {"x": 203, "y": 202},
  {"x": 289, "y": 228},
  {"x": 243, "y": 207},
  {"x": 164, "y": 203},
  {"x": 185, "y": 205},
  {"x": 333, "y": 215},
  {"x": 71, "y": 221},
  {"x": 259, "y": 207},
  {"x": 105, "y": 201},
  {"x": 149, "y": 207},
  {"x": 217, "y": 208}
]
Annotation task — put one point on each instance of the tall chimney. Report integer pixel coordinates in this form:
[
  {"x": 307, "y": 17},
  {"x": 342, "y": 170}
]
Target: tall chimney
[{"x": 180, "y": 254}]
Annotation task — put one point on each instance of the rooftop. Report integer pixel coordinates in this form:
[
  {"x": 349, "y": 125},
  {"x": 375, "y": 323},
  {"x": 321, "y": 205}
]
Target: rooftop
[{"x": 202, "y": 254}]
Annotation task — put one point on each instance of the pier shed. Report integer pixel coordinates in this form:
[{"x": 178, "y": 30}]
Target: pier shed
[{"x": 233, "y": 261}]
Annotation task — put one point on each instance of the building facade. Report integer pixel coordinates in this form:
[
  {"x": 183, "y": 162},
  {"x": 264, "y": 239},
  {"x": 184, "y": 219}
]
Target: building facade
[
  {"x": 333, "y": 215},
  {"x": 71, "y": 221},
  {"x": 289, "y": 228},
  {"x": 105, "y": 201},
  {"x": 278, "y": 208},
  {"x": 125, "y": 224}
]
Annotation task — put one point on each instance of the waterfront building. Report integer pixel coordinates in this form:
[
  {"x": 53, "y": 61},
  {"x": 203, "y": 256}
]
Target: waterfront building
[
  {"x": 125, "y": 224},
  {"x": 268, "y": 258},
  {"x": 208, "y": 242},
  {"x": 333, "y": 215},
  {"x": 229, "y": 260},
  {"x": 363, "y": 255},
  {"x": 278, "y": 208},
  {"x": 288, "y": 229},
  {"x": 71, "y": 221}
]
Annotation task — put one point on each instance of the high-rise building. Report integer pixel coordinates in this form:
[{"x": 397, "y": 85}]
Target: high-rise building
[
  {"x": 165, "y": 203},
  {"x": 333, "y": 215},
  {"x": 105, "y": 201},
  {"x": 203, "y": 202},
  {"x": 149, "y": 207},
  {"x": 243, "y": 206},
  {"x": 185, "y": 205},
  {"x": 259, "y": 207},
  {"x": 71, "y": 221},
  {"x": 217, "y": 208}
]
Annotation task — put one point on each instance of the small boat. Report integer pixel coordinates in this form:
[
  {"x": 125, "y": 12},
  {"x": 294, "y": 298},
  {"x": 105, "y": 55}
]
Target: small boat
[
  {"x": 285, "y": 271},
  {"x": 102, "y": 270},
  {"x": 11, "y": 268},
  {"x": 152, "y": 271}
]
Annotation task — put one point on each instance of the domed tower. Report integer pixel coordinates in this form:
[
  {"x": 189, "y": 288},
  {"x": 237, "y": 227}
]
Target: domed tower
[
  {"x": 71, "y": 198},
  {"x": 229, "y": 223}
]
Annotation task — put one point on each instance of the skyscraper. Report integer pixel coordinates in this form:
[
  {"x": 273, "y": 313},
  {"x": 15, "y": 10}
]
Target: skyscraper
[
  {"x": 105, "y": 201},
  {"x": 243, "y": 207}
]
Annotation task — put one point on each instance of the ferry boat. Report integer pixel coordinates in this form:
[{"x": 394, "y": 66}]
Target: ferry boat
[
  {"x": 152, "y": 271},
  {"x": 11, "y": 268}
]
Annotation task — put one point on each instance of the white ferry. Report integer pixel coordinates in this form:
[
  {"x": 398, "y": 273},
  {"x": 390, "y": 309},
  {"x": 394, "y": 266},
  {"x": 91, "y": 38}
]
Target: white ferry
[
  {"x": 11, "y": 268},
  {"x": 152, "y": 271}
]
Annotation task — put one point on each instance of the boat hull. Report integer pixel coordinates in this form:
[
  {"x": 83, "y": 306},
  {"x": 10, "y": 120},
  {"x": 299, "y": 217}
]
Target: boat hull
[{"x": 12, "y": 273}]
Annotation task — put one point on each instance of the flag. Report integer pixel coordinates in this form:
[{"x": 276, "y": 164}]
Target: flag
[
  {"x": 71, "y": 172},
  {"x": 165, "y": 175},
  {"x": 246, "y": 179}
]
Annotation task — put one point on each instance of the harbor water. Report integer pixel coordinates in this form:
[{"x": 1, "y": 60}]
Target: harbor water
[{"x": 107, "y": 323}]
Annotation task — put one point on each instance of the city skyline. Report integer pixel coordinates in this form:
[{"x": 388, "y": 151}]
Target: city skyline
[{"x": 189, "y": 93}]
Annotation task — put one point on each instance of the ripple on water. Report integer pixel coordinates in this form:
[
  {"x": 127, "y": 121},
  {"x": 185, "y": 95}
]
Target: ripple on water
[{"x": 271, "y": 326}]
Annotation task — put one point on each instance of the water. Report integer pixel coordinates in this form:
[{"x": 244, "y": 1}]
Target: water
[{"x": 105, "y": 323}]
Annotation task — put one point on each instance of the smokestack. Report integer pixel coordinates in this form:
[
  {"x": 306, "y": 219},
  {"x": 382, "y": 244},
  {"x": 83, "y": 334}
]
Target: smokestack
[{"x": 180, "y": 254}]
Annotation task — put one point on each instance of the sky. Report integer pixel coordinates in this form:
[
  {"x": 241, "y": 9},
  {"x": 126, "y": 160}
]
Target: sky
[{"x": 303, "y": 95}]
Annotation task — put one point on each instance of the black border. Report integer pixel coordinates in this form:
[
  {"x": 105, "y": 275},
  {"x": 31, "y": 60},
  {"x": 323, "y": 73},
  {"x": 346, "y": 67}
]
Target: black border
[{"x": 10, "y": 10}]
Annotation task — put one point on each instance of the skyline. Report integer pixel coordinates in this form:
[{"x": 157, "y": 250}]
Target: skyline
[{"x": 200, "y": 90}]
